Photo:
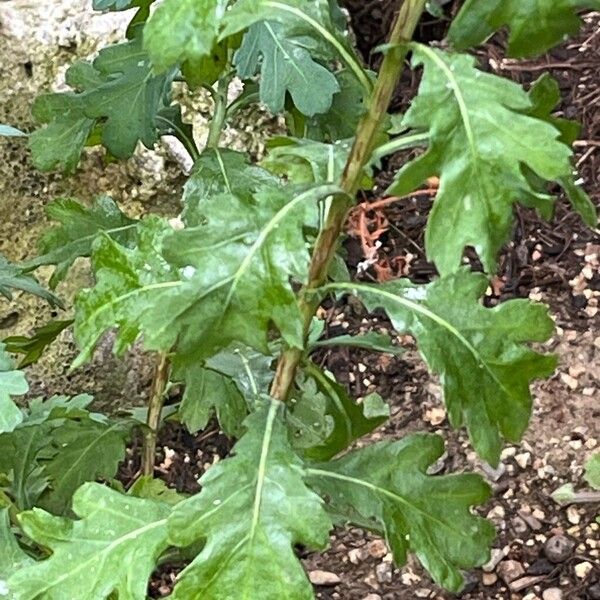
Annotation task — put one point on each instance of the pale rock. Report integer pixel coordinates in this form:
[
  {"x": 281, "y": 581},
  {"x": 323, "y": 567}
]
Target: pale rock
[
  {"x": 569, "y": 381},
  {"x": 323, "y": 578},
  {"x": 372, "y": 597},
  {"x": 357, "y": 555},
  {"x": 583, "y": 569},
  {"x": 489, "y": 578},
  {"x": 523, "y": 459},
  {"x": 552, "y": 594},
  {"x": 377, "y": 548},
  {"x": 423, "y": 593},
  {"x": 523, "y": 583},
  {"x": 383, "y": 571},
  {"x": 496, "y": 555},
  {"x": 509, "y": 570},
  {"x": 573, "y": 515}
]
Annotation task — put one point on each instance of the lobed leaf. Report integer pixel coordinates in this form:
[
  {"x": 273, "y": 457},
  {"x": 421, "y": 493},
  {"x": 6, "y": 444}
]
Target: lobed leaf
[
  {"x": 12, "y": 557},
  {"x": 201, "y": 289},
  {"x": 285, "y": 65},
  {"x": 480, "y": 142},
  {"x": 252, "y": 510},
  {"x": 182, "y": 30},
  {"x": 58, "y": 446},
  {"x": 12, "y": 383},
  {"x": 385, "y": 488},
  {"x": 480, "y": 354},
  {"x": 79, "y": 227},
  {"x": 112, "y": 548},
  {"x": 14, "y": 277},
  {"x": 534, "y": 26},
  {"x": 117, "y": 93},
  {"x": 33, "y": 347}
]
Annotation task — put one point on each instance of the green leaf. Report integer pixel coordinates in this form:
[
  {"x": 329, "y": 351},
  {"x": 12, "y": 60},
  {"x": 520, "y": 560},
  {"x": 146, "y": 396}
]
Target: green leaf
[
  {"x": 8, "y": 131},
  {"x": 307, "y": 418},
  {"x": 58, "y": 446},
  {"x": 307, "y": 161},
  {"x": 113, "y": 547},
  {"x": 317, "y": 25},
  {"x": 117, "y": 91},
  {"x": 377, "y": 342},
  {"x": 182, "y": 30},
  {"x": 217, "y": 172},
  {"x": 385, "y": 488},
  {"x": 155, "y": 489},
  {"x": 19, "y": 451},
  {"x": 208, "y": 392},
  {"x": 34, "y": 346},
  {"x": 479, "y": 143},
  {"x": 252, "y": 511},
  {"x": 480, "y": 353},
  {"x": 341, "y": 120},
  {"x": 82, "y": 451},
  {"x": 12, "y": 383},
  {"x": 285, "y": 65},
  {"x": 12, "y": 558},
  {"x": 350, "y": 420},
  {"x": 119, "y": 4},
  {"x": 201, "y": 288},
  {"x": 79, "y": 227},
  {"x": 545, "y": 97},
  {"x": 534, "y": 26},
  {"x": 13, "y": 277},
  {"x": 592, "y": 471}
]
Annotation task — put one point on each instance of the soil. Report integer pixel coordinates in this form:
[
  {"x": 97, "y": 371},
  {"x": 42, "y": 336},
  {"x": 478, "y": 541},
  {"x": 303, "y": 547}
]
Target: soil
[{"x": 557, "y": 262}]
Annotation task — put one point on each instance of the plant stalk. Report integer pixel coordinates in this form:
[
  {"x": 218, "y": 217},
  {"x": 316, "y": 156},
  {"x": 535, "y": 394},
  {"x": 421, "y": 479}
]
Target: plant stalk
[
  {"x": 155, "y": 406},
  {"x": 364, "y": 143},
  {"x": 218, "y": 119}
]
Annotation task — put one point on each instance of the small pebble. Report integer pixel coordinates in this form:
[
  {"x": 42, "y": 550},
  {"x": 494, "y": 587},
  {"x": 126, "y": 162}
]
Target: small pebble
[
  {"x": 583, "y": 569},
  {"x": 383, "y": 571},
  {"x": 552, "y": 594},
  {"x": 558, "y": 548},
  {"x": 323, "y": 578},
  {"x": 509, "y": 570},
  {"x": 489, "y": 578}
]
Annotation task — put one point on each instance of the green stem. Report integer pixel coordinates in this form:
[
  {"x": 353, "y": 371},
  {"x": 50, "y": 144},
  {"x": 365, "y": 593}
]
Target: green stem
[
  {"x": 364, "y": 143},
  {"x": 399, "y": 143},
  {"x": 155, "y": 405},
  {"x": 218, "y": 120}
]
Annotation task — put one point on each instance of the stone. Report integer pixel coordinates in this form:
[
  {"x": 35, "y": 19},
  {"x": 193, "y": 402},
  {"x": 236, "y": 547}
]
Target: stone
[
  {"x": 423, "y": 593},
  {"x": 523, "y": 583},
  {"x": 323, "y": 578},
  {"x": 357, "y": 555},
  {"x": 496, "y": 556},
  {"x": 383, "y": 571},
  {"x": 573, "y": 515},
  {"x": 583, "y": 569},
  {"x": 509, "y": 570},
  {"x": 372, "y": 597},
  {"x": 523, "y": 460},
  {"x": 552, "y": 594},
  {"x": 377, "y": 548},
  {"x": 489, "y": 578},
  {"x": 558, "y": 548},
  {"x": 541, "y": 566}
]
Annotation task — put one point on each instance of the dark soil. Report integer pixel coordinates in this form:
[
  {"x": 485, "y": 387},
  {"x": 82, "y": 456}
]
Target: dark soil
[{"x": 545, "y": 261}]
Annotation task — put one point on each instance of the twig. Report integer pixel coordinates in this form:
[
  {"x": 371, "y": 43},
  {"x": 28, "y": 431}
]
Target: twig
[{"x": 155, "y": 405}]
